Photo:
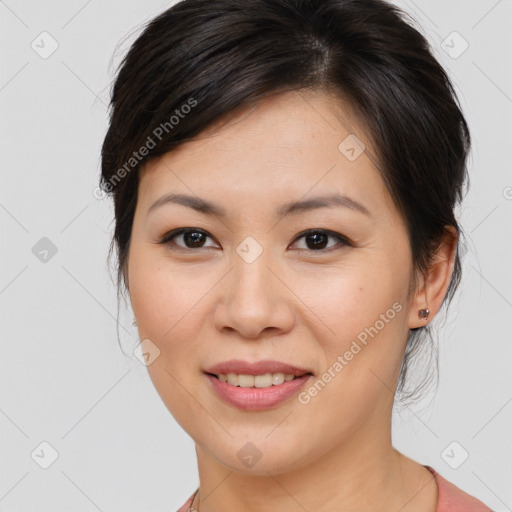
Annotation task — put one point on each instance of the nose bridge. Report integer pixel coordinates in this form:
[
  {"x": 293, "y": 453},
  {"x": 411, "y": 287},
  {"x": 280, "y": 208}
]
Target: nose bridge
[
  {"x": 252, "y": 300},
  {"x": 251, "y": 278}
]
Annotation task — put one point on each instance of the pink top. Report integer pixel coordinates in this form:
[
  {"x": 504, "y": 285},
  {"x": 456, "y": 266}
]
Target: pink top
[{"x": 451, "y": 498}]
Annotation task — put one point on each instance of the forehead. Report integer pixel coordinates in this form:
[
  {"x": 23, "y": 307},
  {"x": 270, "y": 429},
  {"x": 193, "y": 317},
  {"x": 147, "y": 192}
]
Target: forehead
[{"x": 289, "y": 143}]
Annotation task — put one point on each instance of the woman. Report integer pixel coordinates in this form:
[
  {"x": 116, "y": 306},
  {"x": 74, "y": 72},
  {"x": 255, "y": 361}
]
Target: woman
[{"x": 284, "y": 174}]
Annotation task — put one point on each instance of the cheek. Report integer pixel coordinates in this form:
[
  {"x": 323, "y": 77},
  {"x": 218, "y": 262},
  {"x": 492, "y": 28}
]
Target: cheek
[
  {"x": 166, "y": 303},
  {"x": 360, "y": 315},
  {"x": 171, "y": 305},
  {"x": 350, "y": 299},
  {"x": 361, "y": 359},
  {"x": 163, "y": 296}
]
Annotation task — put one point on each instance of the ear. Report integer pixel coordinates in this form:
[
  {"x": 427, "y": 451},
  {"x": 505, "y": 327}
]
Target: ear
[{"x": 434, "y": 284}]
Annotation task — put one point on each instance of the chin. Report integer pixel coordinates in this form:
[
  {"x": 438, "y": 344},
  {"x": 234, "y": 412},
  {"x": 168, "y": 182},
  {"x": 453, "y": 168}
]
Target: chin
[{"x": 259, "y": 458}]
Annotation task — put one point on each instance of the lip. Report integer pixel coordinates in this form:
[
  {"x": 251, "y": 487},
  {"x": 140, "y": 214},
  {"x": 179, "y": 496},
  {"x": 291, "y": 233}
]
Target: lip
[
  {"x": 257, "y": 399},
  {"x": 241, "y": 367}
]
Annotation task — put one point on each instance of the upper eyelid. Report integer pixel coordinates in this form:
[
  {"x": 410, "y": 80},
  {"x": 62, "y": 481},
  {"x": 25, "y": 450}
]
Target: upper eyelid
[
  {"x": 333, "y": 234},
  {"x": 180, "y": 231}
]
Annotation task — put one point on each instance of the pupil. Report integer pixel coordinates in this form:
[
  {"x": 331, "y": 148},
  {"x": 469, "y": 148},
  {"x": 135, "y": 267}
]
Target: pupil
[
  {"x": 194, "y": 238},
  {"x": 320, "y": 240}
]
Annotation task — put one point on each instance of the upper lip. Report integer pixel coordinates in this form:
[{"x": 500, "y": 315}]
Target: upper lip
[{"x": 241, "y": 367}]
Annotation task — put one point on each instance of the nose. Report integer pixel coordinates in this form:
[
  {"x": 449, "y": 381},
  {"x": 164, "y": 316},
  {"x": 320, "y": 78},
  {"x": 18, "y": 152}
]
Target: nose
[{"x": 254, "y": 300}]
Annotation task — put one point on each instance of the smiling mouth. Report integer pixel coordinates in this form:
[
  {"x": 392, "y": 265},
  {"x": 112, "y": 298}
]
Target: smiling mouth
[{"x": 257, "y": 381}]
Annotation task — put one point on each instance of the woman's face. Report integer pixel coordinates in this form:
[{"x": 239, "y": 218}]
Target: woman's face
[{"x": 247, "y": 284}]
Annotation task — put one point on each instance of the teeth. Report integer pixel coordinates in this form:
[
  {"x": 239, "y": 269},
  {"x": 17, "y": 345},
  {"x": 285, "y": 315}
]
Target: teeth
[{"x": 258, "y": 381}]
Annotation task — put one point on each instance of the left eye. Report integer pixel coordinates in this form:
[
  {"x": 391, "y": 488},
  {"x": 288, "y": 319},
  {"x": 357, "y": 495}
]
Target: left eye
[{"x": 315, "y": 239}]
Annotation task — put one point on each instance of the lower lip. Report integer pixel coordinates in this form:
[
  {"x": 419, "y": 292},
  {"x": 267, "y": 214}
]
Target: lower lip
[{"x": 257, "y": 399}]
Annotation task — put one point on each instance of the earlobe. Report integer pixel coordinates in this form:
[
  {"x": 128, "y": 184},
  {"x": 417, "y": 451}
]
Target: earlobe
[
  {"x": 435, "y": 282},
  {"x": 423, "y": 313}
]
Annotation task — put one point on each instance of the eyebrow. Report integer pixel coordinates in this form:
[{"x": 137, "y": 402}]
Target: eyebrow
[{"x": 294, "y": 207}]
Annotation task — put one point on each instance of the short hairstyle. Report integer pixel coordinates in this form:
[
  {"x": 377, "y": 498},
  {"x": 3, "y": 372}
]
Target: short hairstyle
[{"x": 201, "y": 60}]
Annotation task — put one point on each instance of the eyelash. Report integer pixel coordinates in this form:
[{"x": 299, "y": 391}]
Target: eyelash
[{"x": 343, "y": 240}]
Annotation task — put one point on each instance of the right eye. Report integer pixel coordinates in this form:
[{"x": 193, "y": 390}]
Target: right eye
[{"x": 191, "y": 238}]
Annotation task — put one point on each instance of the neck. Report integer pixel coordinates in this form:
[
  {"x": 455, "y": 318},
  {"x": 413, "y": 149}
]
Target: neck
[{"x": 354, "y": 475}]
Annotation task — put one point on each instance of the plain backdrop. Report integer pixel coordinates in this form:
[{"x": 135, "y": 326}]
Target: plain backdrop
[{"x": 108, "y": 441}]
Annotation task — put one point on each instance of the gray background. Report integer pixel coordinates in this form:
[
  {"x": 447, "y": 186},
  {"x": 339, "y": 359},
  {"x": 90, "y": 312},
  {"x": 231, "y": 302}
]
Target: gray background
[{"x": 64, "y": 378}]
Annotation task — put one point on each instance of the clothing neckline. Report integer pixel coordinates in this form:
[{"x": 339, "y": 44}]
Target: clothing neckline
[
  {"x": 449, "y": 497},
  {"x": 432, "y": 470},
  {"x": 435, "y": 474}
]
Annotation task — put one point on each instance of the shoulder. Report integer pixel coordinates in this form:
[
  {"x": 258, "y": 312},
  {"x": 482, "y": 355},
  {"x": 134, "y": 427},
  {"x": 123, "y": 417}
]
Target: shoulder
[
  {"x": 188, "y": 503},
  {"x": 453, "y": 499}
]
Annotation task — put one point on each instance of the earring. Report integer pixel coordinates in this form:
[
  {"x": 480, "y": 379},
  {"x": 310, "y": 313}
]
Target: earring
[{"x": 423, "y": 313}]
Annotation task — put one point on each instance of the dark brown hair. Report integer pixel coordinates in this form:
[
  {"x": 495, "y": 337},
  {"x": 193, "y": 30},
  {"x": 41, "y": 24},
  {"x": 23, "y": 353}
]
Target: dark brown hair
[{"x": 201, "y": 60}]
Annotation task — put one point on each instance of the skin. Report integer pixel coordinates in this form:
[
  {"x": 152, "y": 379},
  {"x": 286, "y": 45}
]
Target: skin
[{"x": 201, "y": 306}]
